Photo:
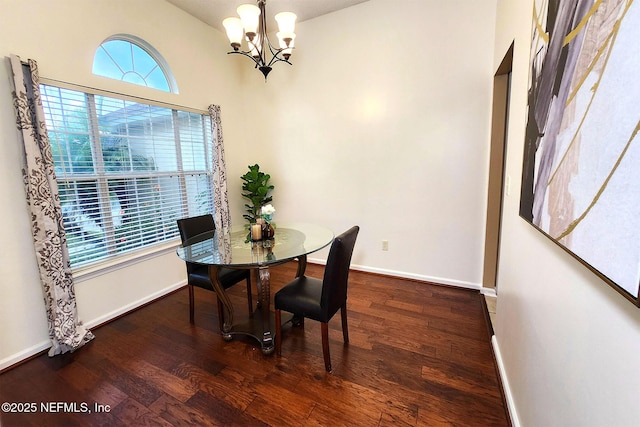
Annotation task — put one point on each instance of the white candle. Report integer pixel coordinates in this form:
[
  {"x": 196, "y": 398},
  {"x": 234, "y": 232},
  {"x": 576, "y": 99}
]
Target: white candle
[{"x": 256, "y": 232}]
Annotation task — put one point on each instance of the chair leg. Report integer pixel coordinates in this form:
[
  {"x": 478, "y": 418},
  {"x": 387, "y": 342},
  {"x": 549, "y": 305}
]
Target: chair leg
[
  {"x": 249, "y": 297},
  {"x": 191, "y": 303},
  {"x": 325, "y": 346},
  {"x": 220, "y": 313},
  {"x": 297, "y": 321},
  {"x": 278, "y": 321},
  {"x": 345, "y": 328}
]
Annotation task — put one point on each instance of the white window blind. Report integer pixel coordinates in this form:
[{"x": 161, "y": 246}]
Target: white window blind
[{"x": 126, "y": 171}]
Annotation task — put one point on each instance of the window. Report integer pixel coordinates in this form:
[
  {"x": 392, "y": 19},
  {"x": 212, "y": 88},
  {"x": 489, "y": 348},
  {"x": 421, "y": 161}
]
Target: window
[
  {"x": 130, "y": 59},
  {"x": 125, "y": 170}
]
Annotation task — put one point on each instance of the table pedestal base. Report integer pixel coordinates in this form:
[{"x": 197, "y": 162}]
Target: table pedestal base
[
  {"x": 262, "y": 321},
  {"x": 255, "y": 329}
]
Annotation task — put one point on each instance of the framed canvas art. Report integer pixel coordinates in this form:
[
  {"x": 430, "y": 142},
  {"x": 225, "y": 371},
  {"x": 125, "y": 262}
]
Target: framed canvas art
[{"x": 581, "y": 164}]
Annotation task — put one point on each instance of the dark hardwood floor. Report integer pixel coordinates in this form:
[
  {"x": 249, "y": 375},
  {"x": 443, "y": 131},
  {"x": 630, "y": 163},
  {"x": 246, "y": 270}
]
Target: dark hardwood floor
[{"x": 419, "y": 355}]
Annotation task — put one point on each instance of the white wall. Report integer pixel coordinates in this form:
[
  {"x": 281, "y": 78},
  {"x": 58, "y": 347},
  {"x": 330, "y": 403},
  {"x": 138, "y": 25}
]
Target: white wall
[
  {"x": 569, "y": 343},
  {"x": 383, "y": 121}
]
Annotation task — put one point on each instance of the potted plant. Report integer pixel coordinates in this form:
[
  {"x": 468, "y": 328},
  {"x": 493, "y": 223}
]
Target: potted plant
[{"x": 256, "y": 189}]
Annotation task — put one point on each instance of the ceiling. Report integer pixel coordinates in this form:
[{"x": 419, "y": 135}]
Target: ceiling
[{"x": 212, "y": 12}]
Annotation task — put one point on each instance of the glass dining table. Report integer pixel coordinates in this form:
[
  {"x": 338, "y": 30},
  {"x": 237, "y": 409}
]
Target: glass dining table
[{"x": 234, "y": 249}]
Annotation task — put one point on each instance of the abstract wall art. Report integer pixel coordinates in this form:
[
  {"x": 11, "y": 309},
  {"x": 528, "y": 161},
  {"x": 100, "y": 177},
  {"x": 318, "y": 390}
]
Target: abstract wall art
[{"x": 581, "y": 163}]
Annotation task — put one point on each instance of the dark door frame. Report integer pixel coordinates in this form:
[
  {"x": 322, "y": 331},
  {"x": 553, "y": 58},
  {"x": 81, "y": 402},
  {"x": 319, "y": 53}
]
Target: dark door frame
[{"x": 496, "y": 186}]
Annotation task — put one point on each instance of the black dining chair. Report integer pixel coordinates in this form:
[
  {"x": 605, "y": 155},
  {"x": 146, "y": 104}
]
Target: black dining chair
[
  {"x": 198, "y": 274},
  {"x": 320, "y": 299}
]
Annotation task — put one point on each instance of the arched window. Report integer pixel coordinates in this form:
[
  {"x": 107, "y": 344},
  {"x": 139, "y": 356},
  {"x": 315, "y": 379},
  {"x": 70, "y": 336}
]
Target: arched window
[{"x": 131, "y": 59}]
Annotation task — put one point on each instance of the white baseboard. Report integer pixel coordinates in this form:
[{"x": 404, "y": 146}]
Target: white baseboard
[
  {"x": 33, "y": 350},
  {"x": 132, "y": 306},
  {"x": 24, "y": 354},
  {"x": 490, "y": 292},
  {"x": 420, "y": 277},
  {"x": 505, "y": 384}
]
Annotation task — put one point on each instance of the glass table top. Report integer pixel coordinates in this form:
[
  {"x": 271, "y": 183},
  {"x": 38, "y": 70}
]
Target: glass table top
[{"x": 232, "y": 249}]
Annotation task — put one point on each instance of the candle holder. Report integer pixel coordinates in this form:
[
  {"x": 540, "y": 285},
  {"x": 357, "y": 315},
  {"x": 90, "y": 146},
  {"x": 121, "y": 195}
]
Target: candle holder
[{"x": 256, "y": 232}]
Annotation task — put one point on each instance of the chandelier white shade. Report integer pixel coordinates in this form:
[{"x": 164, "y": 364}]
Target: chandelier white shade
[{"x": 252, "y": 26}]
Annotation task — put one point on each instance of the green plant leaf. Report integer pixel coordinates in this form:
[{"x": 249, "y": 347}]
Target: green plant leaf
[{"x": 256, "y": 189}]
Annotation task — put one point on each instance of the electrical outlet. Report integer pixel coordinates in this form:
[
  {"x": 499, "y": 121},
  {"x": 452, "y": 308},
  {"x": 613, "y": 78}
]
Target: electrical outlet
[{"x": 385, "y": 245}]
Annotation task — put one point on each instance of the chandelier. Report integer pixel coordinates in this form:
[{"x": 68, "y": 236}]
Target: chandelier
[{"x": 253, "y": 25}]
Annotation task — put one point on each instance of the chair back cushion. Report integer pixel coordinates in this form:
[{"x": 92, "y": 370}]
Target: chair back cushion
[
  {"x": 336, "y": 273},
  {"x": 193, "y": 226}
]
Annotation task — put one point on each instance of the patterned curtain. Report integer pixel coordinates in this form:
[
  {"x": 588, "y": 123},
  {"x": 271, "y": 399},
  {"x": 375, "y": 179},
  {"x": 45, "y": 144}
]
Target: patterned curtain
[
  {"x": 50, "y": 242},
  {"x": 221, "y": 217}
]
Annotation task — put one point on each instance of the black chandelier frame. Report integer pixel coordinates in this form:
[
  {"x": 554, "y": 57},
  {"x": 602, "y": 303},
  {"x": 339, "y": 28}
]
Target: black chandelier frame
[{"x": 277, "y": 54}]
